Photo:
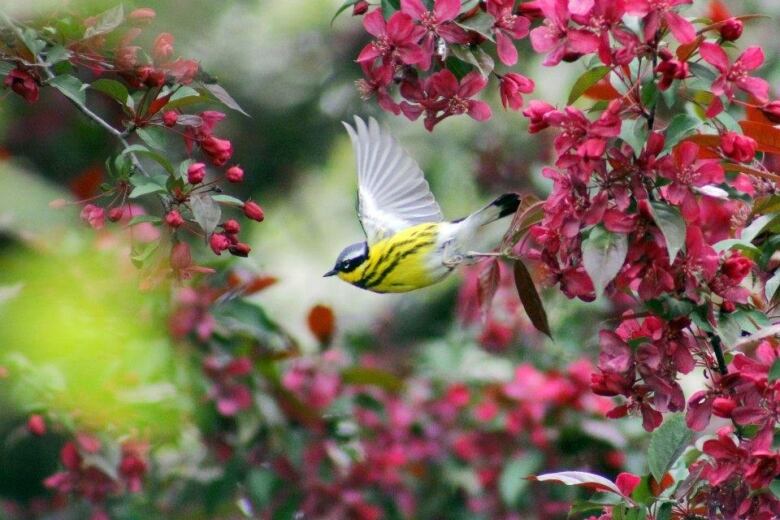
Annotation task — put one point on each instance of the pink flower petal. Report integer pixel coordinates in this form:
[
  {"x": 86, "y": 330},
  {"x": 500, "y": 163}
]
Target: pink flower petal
[
  {"x": 758, "y": 87},
  {"x": 752, "y": 58},
  {"x": 714, "y": 55},
  {"x": 580, "y": 7},
  {"x": 681, "y": 28},
  {"x": 471, "y": 83},
  {"x": 374, "y": 23},
  {"x": 507, "y": 52},
  {"x": 543, "y": 39},
  {"x": 446, "y": 10},
  {"x": 413, "y": 8},
  {"x": 479, "y": 110}
]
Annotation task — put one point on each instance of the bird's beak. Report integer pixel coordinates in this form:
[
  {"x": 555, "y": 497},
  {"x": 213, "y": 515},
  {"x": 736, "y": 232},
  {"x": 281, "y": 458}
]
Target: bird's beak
[{"x": 330, "y": 273}]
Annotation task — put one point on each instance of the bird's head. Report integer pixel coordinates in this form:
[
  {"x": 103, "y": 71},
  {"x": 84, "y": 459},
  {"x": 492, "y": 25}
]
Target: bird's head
[{"x": 349, "y": 260}]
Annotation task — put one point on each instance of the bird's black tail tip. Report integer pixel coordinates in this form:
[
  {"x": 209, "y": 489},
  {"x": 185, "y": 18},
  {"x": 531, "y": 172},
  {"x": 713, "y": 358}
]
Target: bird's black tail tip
[{"x": 507, "y": 204}]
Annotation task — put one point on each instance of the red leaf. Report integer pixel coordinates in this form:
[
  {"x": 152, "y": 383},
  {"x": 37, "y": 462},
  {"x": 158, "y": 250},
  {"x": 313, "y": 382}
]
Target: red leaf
[
  {"x": 251, "y": 286},
  {"x": 752, "y": 113},
  {"x": 156, "y": 105},
  {"x": 322, "y": 323},
  {"x": 658, "y": 488},
  {"x": 718, "y": 11},
  {"x": 487, "y": 286},
  {"x": 602, "y": 90},
  {"x": 686, "y": 50},
  {"x": 530, "y": 298},
  {"x": 530, "y": 211},
  {"x": 707, "y": 145},
  {"x": 87, "y": 183},
  {"x": 767, "y": 136}
]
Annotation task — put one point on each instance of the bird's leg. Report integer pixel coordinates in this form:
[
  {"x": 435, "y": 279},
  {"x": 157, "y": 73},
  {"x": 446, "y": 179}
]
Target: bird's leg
[
  {"x": 450, "y": 257},
  {"x": 472, "y": 256}
]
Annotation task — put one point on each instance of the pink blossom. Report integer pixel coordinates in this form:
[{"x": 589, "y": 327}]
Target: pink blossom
[
  {"x": 437, "y": 23},
  {"x": 557, "y": 39},
  {"x": 396, "y": 38},
  {"x": 656, "y": 11},
  {"x": 736, "y": 74},
  {"x": 507, "y": 27}
]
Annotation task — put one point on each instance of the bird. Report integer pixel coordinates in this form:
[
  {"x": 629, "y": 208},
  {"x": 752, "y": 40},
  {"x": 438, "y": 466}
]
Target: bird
[{"x": 408, "y": 243}]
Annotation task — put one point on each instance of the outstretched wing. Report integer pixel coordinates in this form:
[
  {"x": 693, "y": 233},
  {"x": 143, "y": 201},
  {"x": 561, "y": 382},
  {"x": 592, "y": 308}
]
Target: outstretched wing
[{"x": 392, "y": 191}]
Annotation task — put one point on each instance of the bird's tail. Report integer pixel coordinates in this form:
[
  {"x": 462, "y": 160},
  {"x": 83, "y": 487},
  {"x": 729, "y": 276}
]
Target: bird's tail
[{"x": 503, "y": 206}]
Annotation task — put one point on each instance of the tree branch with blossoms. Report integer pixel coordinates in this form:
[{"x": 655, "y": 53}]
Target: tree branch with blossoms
[
  {"x": 663, "y": 201},
  {"x": 100, "y": 54}
]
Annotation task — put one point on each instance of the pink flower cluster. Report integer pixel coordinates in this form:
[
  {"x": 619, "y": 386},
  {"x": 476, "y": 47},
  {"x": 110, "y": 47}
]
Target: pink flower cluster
[{"x": 86, "y": 479}]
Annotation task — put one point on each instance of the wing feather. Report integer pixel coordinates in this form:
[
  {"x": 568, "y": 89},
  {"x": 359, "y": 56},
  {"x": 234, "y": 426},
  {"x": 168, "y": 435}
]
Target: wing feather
[{"x": 392, "y": 191}]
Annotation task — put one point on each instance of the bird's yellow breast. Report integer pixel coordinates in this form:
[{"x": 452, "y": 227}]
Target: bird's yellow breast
[{"x": 400, "y": 263}]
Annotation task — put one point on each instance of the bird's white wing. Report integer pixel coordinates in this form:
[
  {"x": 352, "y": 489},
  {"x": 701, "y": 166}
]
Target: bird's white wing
[{"x": 392, "y": 191}]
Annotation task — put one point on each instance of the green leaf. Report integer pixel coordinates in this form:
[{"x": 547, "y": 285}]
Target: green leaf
[
  {"x": 667, "y": 442},
  {"x": 112, "y": 88},
  {"x": 390, "y": 6},
  {"x": 736, "y": 243},
  {"x": 31, "y": 41},
  {"x": 672, "y": 225},
  {"x": 679, "y": 127},
  {"x": 771, "y": 286},
  {"x": 729, "y": 328},
  {"x": 57, "y": 54},
  {"x": 145, "y": 186},
  {"x": 71, "y": 87},
  {"x": 5, "y": 68},
  {"x": 580, "y": 478},
  {"x": 603, "y": 254},
  {"x": 142, "y": 253},
  {"x": 206, "y": 212},
  {"x": 585, "y": 81},
  {"x": 513, "y": 480},
  {"x": 228, "y": 199},
  {"x": 221, "y": 95},
  {"x": 757, "y": 226},
  {"x": 775, "y": 487},
  {"x": 153, "y": 136},
  {"x": 106, "y": 22},
  {"x": 649, "y": 94},
  {"x": 664, "y": 512},
  {"x": 346, "y": 5},
  {"x": 481, "y": 23},
  {"x": 476, "y": 57},
  {"x": 635, "y": 134},
  {"x": 140, "y": 149},
  {"x": 774, "y": 371}
]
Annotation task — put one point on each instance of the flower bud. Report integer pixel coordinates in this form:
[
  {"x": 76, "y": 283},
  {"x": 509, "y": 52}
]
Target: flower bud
[
  {"x": 739, "y": 147},
  {"x": 772, "y": 111},
  {"x": 218, "y": 243},
  {"x": 240, "y": 249},
  {"x": 23, "y": 84},
  {"x": 141, "y": 15},
  {"x": 219, "y": 150},
  {"x": 535, "y": 113},
  {"x": 36, "y": 425},
  {"x": 665, "y": 54},
  {"x": 114, "y": 214},
  {"x": 170, "y": 118},
  {"x": 156, "y": 78},
  {"x": 731, "y": 29},
  {"x": 254, "y": 211},
  {"x": 234, "y": 174},
  {"x": 181, "y": 256},
  {"x": 728, "y": 307},
  {"x": 174, "y": 219},
  {"x": 736, "y": 267},
  {"x": 93, "y": 215},
  {"x": 723, "y": 406},
  {"x": 231, "y": 226},
  {"x": 359, "y": 8},
  {"x": 512, "y": 87},
  {"x": 196, "y": 173},
  {"x": 163, "y": 47}
]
